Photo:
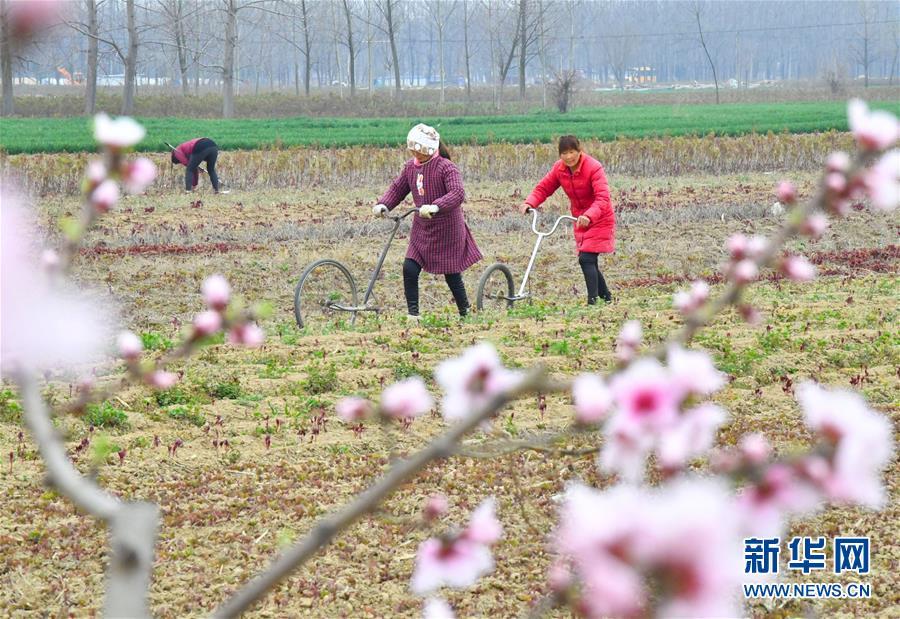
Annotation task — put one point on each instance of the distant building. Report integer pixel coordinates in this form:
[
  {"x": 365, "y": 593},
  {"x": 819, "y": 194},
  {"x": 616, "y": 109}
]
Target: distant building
[{"x": 640, "y": 75}]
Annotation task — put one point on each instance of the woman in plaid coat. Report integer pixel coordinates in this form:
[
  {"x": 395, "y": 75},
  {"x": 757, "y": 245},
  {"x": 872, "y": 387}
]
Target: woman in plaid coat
[{"x": 440, "y": 241}]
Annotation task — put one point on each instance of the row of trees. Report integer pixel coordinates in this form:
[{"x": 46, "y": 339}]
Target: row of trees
[{"x": 232, "y": 45}]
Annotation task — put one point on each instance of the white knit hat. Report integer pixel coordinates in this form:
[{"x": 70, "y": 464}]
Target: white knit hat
[{"x": 423, "y": 139}]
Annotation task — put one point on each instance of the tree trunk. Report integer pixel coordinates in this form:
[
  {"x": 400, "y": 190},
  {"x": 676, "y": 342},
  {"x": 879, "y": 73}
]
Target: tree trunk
[
  {"x": 296, "y": 60},
  {"x": 466, "y": 51},
  {"x": 228, "y": 66},
  {"x": 351, "y": 47},
  {"x": 440, "y": 26},
  {"x": 708, "y": 57},
  {"x": 181, "y": 44},
  {"x": 90, "y": 84},
  {"x": 389, "y": 17},
  {"x": 130, "y": 60},
  {"x": 369, "y": 50},
  {"x": 523, "y": 45},
  {"x": 9, "y": 107},
  {"x": 307, "y": 68}
]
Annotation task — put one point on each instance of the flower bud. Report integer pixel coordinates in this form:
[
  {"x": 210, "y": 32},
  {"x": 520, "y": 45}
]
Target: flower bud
[
  {"x": 786, "y": 192},
  {"x": 130, "y": 345}
]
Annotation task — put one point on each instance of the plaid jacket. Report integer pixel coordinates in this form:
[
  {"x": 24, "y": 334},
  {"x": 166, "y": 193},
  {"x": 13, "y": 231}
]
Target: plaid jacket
[{"x": 442, "y": 244}]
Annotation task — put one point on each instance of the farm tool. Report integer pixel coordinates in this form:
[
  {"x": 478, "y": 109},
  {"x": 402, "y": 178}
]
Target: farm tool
[
  {"x": 327, "y": 290},
  {"x": 496, "y": 286}
]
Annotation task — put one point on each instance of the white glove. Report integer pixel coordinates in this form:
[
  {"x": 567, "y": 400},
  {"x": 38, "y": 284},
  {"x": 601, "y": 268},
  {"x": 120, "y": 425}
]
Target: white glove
[
  {"x": 380, "y": 210},
  {"x": 428, "y": 210}
]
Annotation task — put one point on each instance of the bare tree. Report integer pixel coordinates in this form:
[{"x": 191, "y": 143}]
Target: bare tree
[
  {"x": 90, "y": 84},
  {"x": 705, "y": 48},
  {"x": 351, "y": 47},
  {"x": 441, "y": 12},
  {"x": 130, "y": 59},
  {"x": 563, "y": 87},
  {"x": 863, "y": 52},
  {"x": 173, "y": 10},
  {"x": 388, "y": 10},
  {"x": 6, "y": 60},
  {"x": 523, "y": 45},
  {"x": 467, "y": 51},
  {"x": 501, "y": 56}
]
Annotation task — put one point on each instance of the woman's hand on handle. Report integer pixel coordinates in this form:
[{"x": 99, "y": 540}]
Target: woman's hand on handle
[
  {"x": 379, "y": 210},
  {"x": 583, "y": 222},
  {"x": 524, "y": 207}
]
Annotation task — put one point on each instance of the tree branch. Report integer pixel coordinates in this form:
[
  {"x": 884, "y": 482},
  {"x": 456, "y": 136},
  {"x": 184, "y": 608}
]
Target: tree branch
[
  {"x": 132, "y": 525},
  {"x": 397, "y": 475}
]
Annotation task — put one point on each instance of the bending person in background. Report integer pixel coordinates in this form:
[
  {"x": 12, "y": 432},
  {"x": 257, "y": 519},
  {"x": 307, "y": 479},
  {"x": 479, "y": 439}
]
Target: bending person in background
[
  {"x": 191, "y": 154},
  {"x": 582, "y": 178},
  {"x": 440, "y": 241}
]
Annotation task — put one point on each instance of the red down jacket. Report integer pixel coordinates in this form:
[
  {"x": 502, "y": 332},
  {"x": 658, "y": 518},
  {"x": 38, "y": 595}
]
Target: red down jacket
[{"x": 588, "y": 195}]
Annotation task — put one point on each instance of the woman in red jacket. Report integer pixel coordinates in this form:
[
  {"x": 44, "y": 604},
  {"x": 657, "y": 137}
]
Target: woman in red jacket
[
  {"x": 582, "y": 178},
  {"x": 191, "y": 154}
]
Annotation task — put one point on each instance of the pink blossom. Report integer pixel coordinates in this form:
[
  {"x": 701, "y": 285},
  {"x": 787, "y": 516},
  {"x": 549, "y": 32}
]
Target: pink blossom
[
  {"x": 883, "y": 182},
  {"x": 138, "y": 175},
  {"x": 798, "y": 269},
  {"x": 756, "y": 246},
  {"x": 456, "y": 563},
  {"x": 207, "y": 322},
  {"x": 689, "y": 301},
  {"x": 625, "y": 449},
  {"x": 353, "y": 409},
  {"x": 873, "y": 130},
  {"x": 862, "y": 441},
  {"x": 737, "y": 246},
  {"x": 628, "y": 341},
  {"x": 437, "y": 608},
  {"x": 631, "y": 334},
  {"x": 693, "y": 372},
  {"x": 836, "y": 182},
  {"x": 248, "y": 334},
  {"x": 699, "y": 291},
  {"x": 96, "y": 172},
  {"x": 163, "y": 380},
  {"x": 755, "y": 448},
  {"x": 597, "y": 531},
  {"x": 44, "y": 324},
  {"x": 105, "y": 196},
  {"x": 471, "y": 380},
  {"x": 646, "y": 394},
  {"x": 484, "y": 528},
  {"x": 121, "y": 133},
  {"x": 691, "y": 543},
  {"x": 745, "y": 271},
  {"x": 216, "y": 292},
  {"x": 27, "y": 17},
  {"x": 779, "y": 494},
  {"x": 559, "y": 577},
  {"x": 593, "y": 399},
  {"x": 406, "y": 399},
  {"x": 691, "y": 436},
  {"x": 435, "y": 506},
  {"x": 815, "y": 225},
  {"x": 786, "y": 192},
  {"x": 682, "y": 301},
  {"x": 838, "y": 161},
  {"x": 130, "y": 345}
]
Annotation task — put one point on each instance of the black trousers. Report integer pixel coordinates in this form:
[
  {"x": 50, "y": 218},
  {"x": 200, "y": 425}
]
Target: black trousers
[
  {"x": 411, "y": 271},
  {"x": 204, "y": 150},
  {"x": 593, "y": 278}
]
